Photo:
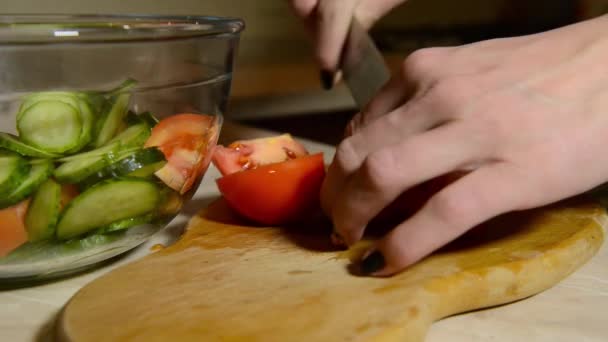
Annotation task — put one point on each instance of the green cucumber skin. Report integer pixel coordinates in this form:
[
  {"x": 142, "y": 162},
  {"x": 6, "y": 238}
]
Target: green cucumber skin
[
  {"x": 13, "y": 143},
  {"x": 114, "y": 113},
  {"x": 76, "y": 171},
  {"x": 126, "y": 165},
  {"x": 88, "y": 120},
  {"x": 31, "y": 132},
  {"x": 43, "y": 212},
  {"x": 38, "y": 174},
  {"x": 133, "y": 136},
  {"x": 109, "y": 149},
  {"x": 127, "y": 223},
  {"x": 19, "y": 169},
  {"x": 105, "y": 203}
]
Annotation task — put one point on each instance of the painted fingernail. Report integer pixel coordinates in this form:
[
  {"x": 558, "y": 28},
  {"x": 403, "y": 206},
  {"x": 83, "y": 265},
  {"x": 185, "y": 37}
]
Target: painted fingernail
[
  {"x": 372, "y": 263},
  {"x": 337, "y": 240},
  {"x": 327, "y": 79}
]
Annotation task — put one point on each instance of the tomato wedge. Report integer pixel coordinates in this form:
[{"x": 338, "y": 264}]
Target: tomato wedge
[
  {"x": 12, "y": 227},
  {"x": 277, "y": 193},
  {"x": 249, "y": 154},
  {"x": 184, "y": 139}
]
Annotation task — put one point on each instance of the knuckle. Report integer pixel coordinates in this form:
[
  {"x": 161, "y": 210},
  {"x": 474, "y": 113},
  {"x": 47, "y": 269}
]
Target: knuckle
[
  {"x": 377, "y": 169},
  {"x": 450, "y": 93},
  {"x": 346, "y": 156},
  {"x": 448, "y": 208},
  {"x": 422, "y": 62}
]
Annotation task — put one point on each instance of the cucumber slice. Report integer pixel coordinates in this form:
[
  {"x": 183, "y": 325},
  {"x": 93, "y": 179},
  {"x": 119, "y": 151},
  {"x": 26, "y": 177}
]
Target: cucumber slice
[
  {"x": 105, "y": 203},
  {"x": 39, "y": 172},
  {"x": 13, "y": 169},
  {"x": 88, "y": 119},
  {"x": 52, "y": 126},
  {"x": 113, "y": 115},
  {"x": 43, "y": 212},
  {"x": 148, "y": 170},
  {"x": 127, "y": 223},
  {"x": 109, "y": 149},
  {"x": 70, "y": 98},
  {"x": 75, "y": 171},
  {"x": 134, "y": 136},
  {"x": 126, "y": 165},
  {"x": 12, "y": 142}
]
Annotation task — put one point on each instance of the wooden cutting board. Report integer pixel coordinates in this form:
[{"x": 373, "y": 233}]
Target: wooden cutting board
[{"x": 225, "y": 281}]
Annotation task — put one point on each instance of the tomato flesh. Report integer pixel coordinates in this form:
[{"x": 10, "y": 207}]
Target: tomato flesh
[
  {"x": 184, "y": 140},
  {"x": 277, "y": 193},
  {"x": 248, "y": 154},
  {"x": 12, "y": 227}
]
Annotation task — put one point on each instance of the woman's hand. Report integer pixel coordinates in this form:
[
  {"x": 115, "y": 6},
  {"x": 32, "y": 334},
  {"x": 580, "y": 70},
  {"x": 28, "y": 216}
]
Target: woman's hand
[
  {"x": 329, "y": 21},
  {"x": 526, "y": 118}
]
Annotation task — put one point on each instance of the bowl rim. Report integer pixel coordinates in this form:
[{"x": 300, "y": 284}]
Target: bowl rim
[{"x": 36, "y": 28}]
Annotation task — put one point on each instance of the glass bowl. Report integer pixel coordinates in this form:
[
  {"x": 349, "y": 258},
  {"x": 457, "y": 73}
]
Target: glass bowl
[{"x": 107, "y": 126}]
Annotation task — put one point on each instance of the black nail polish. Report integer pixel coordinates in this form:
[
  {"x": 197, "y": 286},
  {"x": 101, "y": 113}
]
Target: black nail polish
[
  {"x": 327, "y": 79},
  {"x": 372, "y": 263}
]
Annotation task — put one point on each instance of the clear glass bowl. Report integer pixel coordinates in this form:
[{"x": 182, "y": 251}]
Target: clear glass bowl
[{"x": 180, "y": 65}]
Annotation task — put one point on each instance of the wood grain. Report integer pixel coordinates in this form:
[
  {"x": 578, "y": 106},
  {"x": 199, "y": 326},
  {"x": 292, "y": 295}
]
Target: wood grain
[{"x": 227, "y": 281}]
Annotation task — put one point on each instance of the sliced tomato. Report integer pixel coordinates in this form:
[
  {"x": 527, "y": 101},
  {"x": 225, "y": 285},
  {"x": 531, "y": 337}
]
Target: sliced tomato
[
  {"x": 12, "y": 227},
  {"x": 249, "y": 154},
  {"x": 275, "y": 194},
  {"x": 184, "y": 139}
]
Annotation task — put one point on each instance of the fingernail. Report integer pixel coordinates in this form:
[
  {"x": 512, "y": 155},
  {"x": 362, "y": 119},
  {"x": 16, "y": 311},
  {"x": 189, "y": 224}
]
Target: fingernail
[
  {"x": 327, "y": 79},
  {"x": 372, "y": 263}
]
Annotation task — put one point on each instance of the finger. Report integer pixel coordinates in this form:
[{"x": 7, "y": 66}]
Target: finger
[
  {"x": 412, "y": 118},
  {"x": 483, "y": 194},
  {"x": 388, "y": 172},
  {"x": 334, "y": 22},
  {"x": 420, "y": 71},
  {"x": 304, "y": 8}
]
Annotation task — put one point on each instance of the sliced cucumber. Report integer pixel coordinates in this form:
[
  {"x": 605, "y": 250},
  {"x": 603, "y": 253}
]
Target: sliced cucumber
[
  {"x": 70, "y": 98},
  {"x": 75, "y": 171},
  {"x": 148, "y": 170},
  {"x": 112, "y": 116},
  {"x": 43, "y": 212},
  {"x": 88, "y": 119},
  {"x": 13, "y": 169},
  {"x": 39, "y": 172},
  {"x": 12, "y": 142},
  {"x": 109, "y": 149},
  {"x": 134, "y": 136},
  {"x": 130, "y": 163},
  {"x": 127, "y": 223},
  {"x": 107, "y": 202},
  {"x": 50, "y": 125}
]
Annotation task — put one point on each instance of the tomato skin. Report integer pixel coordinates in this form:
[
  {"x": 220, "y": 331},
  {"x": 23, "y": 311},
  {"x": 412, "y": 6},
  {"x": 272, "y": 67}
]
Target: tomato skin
[
  {"x": 278, "y": 193},
  {"x": 184, "y": 140},
  {"x": 248, "y": 154},
  {"x": 12, "y": 227}
]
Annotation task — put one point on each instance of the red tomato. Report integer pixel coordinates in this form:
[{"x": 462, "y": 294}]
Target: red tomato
[
  {"x": 12, "y": 227},
  {"x": 249, "y": 154},
  {"x": 278, "y": 193},
  {"x": 184, "y": 140}
]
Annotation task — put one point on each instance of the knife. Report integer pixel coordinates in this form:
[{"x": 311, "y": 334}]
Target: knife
[{"x": 363, "y": 66}]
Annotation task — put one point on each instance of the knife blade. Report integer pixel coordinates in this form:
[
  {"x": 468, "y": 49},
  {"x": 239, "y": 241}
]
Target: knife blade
[{"x": 363, "y": 66}]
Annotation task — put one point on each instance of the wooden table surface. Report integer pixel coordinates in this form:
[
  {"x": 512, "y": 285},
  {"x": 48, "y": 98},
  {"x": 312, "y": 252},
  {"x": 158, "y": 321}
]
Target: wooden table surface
[{"x": 573, "y": 310}]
